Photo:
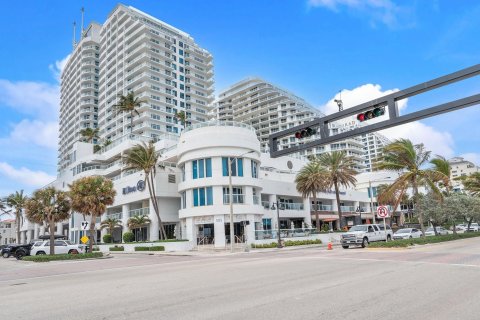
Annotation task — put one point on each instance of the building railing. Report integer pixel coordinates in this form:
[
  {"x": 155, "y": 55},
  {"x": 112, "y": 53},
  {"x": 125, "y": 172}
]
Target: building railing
[
  {"x": 266, "y": 204},
  {"x": 291, "y": 206},
  {"x": 256, "y": 200},
  {"x": 139, "y": 212},
  {"x": 284, "y": 233},
  {"x": 347, "y": 208},
  {"x": 117, "y": 216},
  {"x": 237, "y": 198},
  {"x": 216, "y": 123},
  {"x": 321, "y": 207}
]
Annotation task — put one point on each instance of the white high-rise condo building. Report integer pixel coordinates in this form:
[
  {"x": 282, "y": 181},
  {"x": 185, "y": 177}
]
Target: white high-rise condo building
[
  {"x": 461, "y": 167},
  {"x": 269, "y": 109},
  {"x": 373, "y": 147},
  {"x": 133, "y": 52}
]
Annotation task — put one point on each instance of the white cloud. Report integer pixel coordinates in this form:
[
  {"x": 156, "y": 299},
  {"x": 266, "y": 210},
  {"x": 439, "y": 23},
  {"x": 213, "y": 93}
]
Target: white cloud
[
  {"x": 438, "y": 141},
  {"x": 384, "y": 11},
  {"x": 26, "y": 176},
  {"x": 57, "y": 67},
  {"x": 44, "y": 134},
  {"x": 33, "y": 98},
  {"x": 358, "y": 95},
  {"x": 471, "y": 156}
]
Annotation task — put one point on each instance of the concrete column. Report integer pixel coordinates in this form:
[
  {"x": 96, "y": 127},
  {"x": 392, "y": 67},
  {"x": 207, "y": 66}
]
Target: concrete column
[
  {"x": 272, "y": 198},
  {"x": 154, "y": 225},
  {"x": 219, "y": 226},
  {"x": 307, "y": 207},
  {"x": 59, "y": 228},
  {"x": 191, "y": 230},
  {"x": 22, "y": 236},
  {"x": 125, "y": 217},
  {"x": 250, "y": 229},
  {"x": 36, "y": 230},
  {"x": 29, "y": 235}
]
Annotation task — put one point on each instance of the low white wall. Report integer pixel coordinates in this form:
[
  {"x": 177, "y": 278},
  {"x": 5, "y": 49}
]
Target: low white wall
[
  {"x": 169, "y": 246},
  {"x": 333, "y": 237}
]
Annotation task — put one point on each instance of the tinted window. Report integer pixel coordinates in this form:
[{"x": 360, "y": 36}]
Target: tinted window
[
  {"x": 370, "y": 229},
  {"x": 59, "y": 243}
]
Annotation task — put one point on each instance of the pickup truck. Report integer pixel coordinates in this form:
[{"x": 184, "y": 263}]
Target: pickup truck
[{"x": 363, "y": 234}]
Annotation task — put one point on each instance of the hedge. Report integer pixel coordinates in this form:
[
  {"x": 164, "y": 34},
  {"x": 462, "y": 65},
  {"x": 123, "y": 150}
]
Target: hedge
[
  {"x": 153, "y": 248},
  {"x": 128, "y": 236},
  {"x": 56, "y": 257},
  {"x": 117, "y": 248},
  {"x": 423, "y": 240},
  {"x": 107, "y": 238},
  {"x": 288, "y": 243},
  {"x": 264, "y": 245}
]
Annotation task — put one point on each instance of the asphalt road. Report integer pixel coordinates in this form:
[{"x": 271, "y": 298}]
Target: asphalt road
[{"x": 434, "y": 282}]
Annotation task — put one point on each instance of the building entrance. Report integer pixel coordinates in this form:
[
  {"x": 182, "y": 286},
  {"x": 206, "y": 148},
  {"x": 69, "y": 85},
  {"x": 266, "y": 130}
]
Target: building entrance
[
  {"x": 238, "y": 230},
  {"x": 206, "y": 234}
]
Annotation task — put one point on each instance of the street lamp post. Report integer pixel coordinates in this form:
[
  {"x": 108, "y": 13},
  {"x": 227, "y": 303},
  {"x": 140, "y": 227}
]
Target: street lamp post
[
  {"x": 230, "y": 187},
  {"x": 279, "y": 240}
]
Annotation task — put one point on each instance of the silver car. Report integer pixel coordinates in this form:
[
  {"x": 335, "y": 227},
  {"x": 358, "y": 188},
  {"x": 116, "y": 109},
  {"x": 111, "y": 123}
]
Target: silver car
[
  {"x": 440, "y": 231},
  {"x": 407, "y": 233}
]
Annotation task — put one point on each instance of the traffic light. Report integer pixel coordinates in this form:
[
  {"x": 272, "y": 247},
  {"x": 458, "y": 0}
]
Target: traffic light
[
  {"x": 305, "y": 133},
  {"x": 370, "y": 114}
]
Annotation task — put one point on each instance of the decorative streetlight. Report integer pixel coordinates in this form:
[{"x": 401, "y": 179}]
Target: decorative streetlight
[
  {"x": 279, "y": 240},
  {"x": 230, "y": 161}
]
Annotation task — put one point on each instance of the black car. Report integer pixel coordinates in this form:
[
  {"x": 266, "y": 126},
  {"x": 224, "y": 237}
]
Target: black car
[{"x": 17, "y": 250}]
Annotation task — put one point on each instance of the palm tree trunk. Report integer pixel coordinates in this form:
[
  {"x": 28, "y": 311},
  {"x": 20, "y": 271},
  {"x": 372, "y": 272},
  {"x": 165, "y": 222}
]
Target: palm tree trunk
[
  {"x": 339, "y": 209},
  {"x": 163, "y": 235},
  {"x": 317, "y": 218},
  {"x": 51, "y": 226},
  {"x": 131, "y": 122},
  {"x": 92, "y": 230},
  {"x": 469, "y": 223},
  {"x": 17, "y": 221}
]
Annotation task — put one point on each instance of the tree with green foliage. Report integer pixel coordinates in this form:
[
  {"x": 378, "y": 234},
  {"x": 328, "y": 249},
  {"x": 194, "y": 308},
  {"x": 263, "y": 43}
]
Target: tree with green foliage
[
  {"x": 91, "y": 196},
  {"x": 144, "y": 157},
  {"x": 409, "y": 160},
  {"x": 339, "y": 172},
  {"x": 48, "y": 206},
  {"x": 471, "y": 183},
  {"x": 182, "y": 117},
  {"x": 310, "y": 180},
  {"x": 89, "y": 134},
  {"x": 431, "y": 207},
  {"x": 128, "y": 104},
  {"x": 110, "y": 224},
  {"x": 17, "y": 202},
  {"x": 138, "y": 222}
]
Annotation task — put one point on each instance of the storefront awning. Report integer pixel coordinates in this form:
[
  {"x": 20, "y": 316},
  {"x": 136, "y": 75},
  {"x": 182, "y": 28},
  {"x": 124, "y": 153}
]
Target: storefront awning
[{"x": 329, "y": 219}]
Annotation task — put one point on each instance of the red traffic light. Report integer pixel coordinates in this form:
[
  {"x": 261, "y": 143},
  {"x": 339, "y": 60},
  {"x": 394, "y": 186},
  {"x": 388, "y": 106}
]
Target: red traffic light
[
  {"x": 370, "y": 114},
  {"x": 361, "y": 117},
  {"x": 305, "y": 133}
]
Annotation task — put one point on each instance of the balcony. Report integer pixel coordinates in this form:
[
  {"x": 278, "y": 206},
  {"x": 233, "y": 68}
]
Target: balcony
[
  {"x": 237, "y": 199},
  {"x": 321, "y": 207},
  {"x": 117, "y": 216},
  {"x": 139, "y": 212},
  {"x": 256, "y": 200}
]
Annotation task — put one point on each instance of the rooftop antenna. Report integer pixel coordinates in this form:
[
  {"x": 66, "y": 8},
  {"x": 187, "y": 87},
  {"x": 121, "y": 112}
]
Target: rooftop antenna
[
  {"x": 83, "y": 30},
  {"x": 339, "y": 102},
  {"x": 74, "y": 42}
]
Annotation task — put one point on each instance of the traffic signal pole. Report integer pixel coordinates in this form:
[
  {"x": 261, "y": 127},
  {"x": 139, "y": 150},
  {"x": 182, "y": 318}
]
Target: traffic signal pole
[{"x": 319, "y": 127}]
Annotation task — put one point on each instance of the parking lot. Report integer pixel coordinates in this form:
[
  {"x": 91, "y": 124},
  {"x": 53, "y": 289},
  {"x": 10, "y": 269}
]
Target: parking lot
[{"x": 431, "y": 282}]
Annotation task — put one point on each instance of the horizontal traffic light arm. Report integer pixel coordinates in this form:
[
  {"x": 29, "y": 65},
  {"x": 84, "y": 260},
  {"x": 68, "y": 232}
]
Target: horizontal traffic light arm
[{"x": 389, "y": 103}]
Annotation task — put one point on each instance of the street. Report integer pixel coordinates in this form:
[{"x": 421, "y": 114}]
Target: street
[{"x": 432, "y": 282}]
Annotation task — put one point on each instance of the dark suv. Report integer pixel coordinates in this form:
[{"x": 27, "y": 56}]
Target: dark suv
[{"x": 17, "y": 250}]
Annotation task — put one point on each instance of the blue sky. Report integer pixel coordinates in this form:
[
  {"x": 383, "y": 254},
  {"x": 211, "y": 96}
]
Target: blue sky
[{"x": 314, "y": 48}]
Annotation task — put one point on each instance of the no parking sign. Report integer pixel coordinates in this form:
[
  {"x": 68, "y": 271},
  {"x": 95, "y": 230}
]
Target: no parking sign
[{"x": 382, "y": 212}]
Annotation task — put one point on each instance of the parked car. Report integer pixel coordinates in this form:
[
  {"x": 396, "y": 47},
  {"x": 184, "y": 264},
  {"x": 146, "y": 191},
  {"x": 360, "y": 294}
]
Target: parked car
[
  {"x": 440, "y": 231},
  {"x": 473, "y": 227},
  {"x": 407, "y": 233},
  {"x": 16, "y": 250},
  {"x": 363, "y": 234},
  {"x": 61, "y": 247}
]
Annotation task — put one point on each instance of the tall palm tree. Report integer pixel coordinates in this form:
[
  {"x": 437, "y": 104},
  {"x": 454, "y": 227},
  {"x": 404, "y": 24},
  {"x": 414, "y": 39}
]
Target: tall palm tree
[
  {"x": 17, "y": 202},
  {"x": 442, "y": 165},
  {"x": 472, "y": 183},
  {"x": 89, "y": 134},
  {"x": 310, "y": 180},
  {"x": 3, "y": 207},
  {"x": 48, "y": 206},
  {"x": 182, "y": 117},
  {"x": 91, "y": 196},
  {"x": 339, "y": 172},
  {"x": 138, "y": 222},
  {"x": 408, "y": 160},
  {"x": 110, "y": 224},
  {"x": 144, "y": 157},
  {"x": 128, "y": 103}
]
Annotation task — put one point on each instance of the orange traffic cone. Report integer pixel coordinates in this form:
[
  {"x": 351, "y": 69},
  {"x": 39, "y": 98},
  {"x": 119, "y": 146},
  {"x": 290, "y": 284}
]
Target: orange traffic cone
[{"x": 329, "y": 246}]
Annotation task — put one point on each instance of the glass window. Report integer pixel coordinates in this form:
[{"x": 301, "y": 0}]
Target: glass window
[
  {"x": 267, "y": 224},
  {"x": 208, "y": 165},
  {"x": 195, "y": 169},
  {"x": 240, "y": 167},
  {"x": 201, "y": 192},
  {"x": 184, "y": 200},
  {"x": 195, "y": 197},
  {"x": 225, "y": 166},
  {"x": 202, "y": 197},
  {"x": 235, "y": 163},
  {"x": 209, "y": 196},
  {"x": 202, "y": 168},
  {"x": 201, "y": 164},
  {"x": 254, "y": 169}
]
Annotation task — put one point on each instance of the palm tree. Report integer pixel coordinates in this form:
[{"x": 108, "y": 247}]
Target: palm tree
[
  {"x": 440, "y": 164},
  {"x": 89, "y": 134},
  {"x": 128, "y": 103},
  {"x": 138, "y": 222},
  {"x": 91, "y": 196},
  {"x": 310, "y": 180},
  {"x": 110, "y": 224},
  {"x": 472, "y": 183},
  {"x": 408, "y": 160},
  {"x": 3, "y": 207},
  {"x": 339, "y": 172},
  {"x": 144, "y": 157},
  {"x": 182, "y": 117},
  {"x": 48, "y": 206},
  {"x": 17, "y": 201}
]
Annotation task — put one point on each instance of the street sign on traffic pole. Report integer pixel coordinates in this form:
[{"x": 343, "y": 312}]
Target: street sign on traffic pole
[{"x": 383, "y": 212}]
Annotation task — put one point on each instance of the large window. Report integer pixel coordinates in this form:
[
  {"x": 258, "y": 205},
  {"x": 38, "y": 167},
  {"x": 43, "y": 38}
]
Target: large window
[
  {"x": 238, "y": 196},
  {"x": 236, "y": 166},
  {"x": 254, "y": 169},
  {"x": 202, "y": 168},
  {"x": 202, "y": 197},
  {"x": 184, "y": 199},
  {"x": 267, "y": 224}
]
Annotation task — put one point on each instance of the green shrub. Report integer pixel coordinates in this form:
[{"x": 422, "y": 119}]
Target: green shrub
[
  {"x": 107, "y": 238},
  {"x": 171, "y": 240},
  {"x": 56, "y": 257},
  {"x": 95, "y": 249},
  {"x": 264, "y": 245},
  {"x": 116, "y": 248},
  {"x": 156, "y": 248},
  {"x": 141, "y": 248},
  {"x": 128, "y": 237},
  {"x": 423, "y": 240},
  {"x": 302, "y": 242}
]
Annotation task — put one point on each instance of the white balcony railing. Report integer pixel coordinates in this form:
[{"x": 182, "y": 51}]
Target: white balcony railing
[
  {"x": 237, "y": 198},
  {"x": 139, "y": 212}
]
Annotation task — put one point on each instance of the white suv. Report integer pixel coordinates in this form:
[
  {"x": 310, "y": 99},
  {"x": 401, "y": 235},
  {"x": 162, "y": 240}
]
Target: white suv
[
  {"x": 363, "y": 234},
  {"x": 61, "y": 247}
]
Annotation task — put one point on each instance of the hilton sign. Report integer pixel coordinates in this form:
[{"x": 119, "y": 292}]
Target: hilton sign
[{"x": 139, "y": 187}]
